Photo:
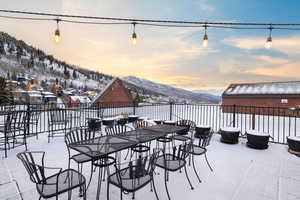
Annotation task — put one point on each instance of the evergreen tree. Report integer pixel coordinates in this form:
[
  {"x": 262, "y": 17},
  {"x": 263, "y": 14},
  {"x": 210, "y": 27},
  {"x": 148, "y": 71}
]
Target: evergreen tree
[{"x": 74, "y": 74}]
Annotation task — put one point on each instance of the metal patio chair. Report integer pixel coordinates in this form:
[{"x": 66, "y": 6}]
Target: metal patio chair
[
  {"x": 51, "y": 182},
  {"x": 175, "y": 162},
  {"x": 116, "y": 129},
  {"x": 200, "y": 149},
  {"x": 58, "y": 120},
  {"x": 34, "y": 117},
  {"x": 184, "y": 134},
  {"x": 14, "y": 129},
  {"x": 137, "y": 175}
]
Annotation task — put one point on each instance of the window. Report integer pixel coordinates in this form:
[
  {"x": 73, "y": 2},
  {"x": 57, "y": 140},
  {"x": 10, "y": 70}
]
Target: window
[{"x": 284, "y": 100}]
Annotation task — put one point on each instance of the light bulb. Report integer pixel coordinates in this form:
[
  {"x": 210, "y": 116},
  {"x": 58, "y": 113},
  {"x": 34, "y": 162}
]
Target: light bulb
[
  {"x": 134, "y": 38},
  {"x": 268, "y": 44},
  {"x": 57, "y": 36},
  {"x": 205, "y": 41}
]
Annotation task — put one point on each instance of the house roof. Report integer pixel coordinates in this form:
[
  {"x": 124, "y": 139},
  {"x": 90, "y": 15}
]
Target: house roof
[
  {"x": 264, "y": 88},
  {"x": 105, "y": 89}
]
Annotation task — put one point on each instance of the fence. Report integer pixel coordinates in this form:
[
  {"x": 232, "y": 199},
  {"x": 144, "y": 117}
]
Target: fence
[{"x": 278, "y": 122}]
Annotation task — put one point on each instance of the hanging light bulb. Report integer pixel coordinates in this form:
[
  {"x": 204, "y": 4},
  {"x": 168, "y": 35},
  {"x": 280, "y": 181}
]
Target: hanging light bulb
[
  {"x": 205, "y": 38},
  {"x": 57, "y": 32},
  {"x": 134, "y": 37},
  {"x": 268, "y": 44}
]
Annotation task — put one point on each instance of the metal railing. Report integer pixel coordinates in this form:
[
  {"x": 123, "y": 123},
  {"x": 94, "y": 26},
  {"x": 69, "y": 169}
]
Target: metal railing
[{"x": 278, "y": 122}]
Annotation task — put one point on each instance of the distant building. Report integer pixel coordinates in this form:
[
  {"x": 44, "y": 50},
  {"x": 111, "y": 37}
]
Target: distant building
[
  {"x": 114, "y": 94},
  {"x": 268, "y": 94}
]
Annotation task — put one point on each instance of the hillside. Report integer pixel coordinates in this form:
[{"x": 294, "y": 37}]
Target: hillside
[
  {"x": 177, "y": 94},
  {"x": 18, "y": 59}
]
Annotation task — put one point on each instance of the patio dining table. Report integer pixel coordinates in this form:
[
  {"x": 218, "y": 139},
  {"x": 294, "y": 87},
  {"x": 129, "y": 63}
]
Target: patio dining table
[{"x": 104, "y": 145}]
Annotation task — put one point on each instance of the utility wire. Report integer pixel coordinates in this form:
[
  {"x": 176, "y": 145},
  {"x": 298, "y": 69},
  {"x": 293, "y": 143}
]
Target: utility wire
[{"x": 147, "y": 20}]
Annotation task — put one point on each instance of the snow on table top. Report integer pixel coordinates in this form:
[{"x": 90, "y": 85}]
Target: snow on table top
[
  {"x": 295, "y": 138},
  {"x": 230, "y": 129},
  {"x": 258, "y": 133}
]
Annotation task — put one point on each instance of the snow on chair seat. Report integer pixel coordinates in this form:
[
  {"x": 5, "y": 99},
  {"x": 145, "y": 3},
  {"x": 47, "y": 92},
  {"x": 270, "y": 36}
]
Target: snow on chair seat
[{"x": 257, "y": 139}]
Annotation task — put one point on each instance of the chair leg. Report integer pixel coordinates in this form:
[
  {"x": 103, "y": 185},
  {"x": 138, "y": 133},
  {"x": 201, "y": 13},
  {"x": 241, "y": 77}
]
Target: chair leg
[
  {"x": 166, "y": 186},
  {"x": 208, "y": 163},
  {"x": 90, "y": 175},
  {"x": 194, "y": 167},
  {"x": 107, "y": 190},
  {"x": 187, "y": 176},
  {"x": 84, "y": 191},
  {"x": 126, "y": 154},
  {"x": 99, "y": 183},
  {"x": 154, "y": 188}
]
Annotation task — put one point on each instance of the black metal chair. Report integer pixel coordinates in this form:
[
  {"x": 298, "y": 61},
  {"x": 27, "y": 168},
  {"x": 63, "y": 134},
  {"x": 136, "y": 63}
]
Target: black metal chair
[
  {"x": 14, "y": 130},
  {"x": 137, "y": 175},
  {"x": 51, "y": 182},
  {"x": 140, "y": 148},
  {"x": 34, "y": 117},
  {"x": 174, "y": 162},
  {"x": 58, "y": 120},
  {"x": 183, "y": 135},
  {"x": 116, "y": 129},
  {"x": 200, "y": 149},
  {"x": 77, "y": 136}
]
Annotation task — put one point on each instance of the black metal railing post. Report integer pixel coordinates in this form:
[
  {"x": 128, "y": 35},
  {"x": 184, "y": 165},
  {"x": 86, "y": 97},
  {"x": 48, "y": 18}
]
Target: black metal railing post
[
  {"x": 171, "y": 110},
  {"x": 234, "y": 115}
]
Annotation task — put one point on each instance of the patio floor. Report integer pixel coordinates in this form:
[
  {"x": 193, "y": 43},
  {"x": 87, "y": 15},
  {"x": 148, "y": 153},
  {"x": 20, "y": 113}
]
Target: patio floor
[{"x": 239, "y": 173}]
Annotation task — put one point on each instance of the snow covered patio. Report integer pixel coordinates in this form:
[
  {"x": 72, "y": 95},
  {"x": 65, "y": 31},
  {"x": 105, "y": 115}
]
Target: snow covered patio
[{"x": 239, "y": 173}]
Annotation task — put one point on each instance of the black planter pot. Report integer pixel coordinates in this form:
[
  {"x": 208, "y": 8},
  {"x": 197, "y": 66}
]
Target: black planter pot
[
  {"x": 158, "y": 121},
  {"x": 257, "y": 140},
  {"x": 94, "y": 124},
  {"x": 294, "y": 144},
  {"x": 229, "y": 135},
  {"x": 170, "y": 123},
  {"x": 202, "y": 131},
  {"x": 132, "y": 118},
  {"x": 108, "y": 122}
]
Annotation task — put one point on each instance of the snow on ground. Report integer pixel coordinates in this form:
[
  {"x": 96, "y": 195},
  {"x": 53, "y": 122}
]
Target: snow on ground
[{"x": 239, "y": 173}]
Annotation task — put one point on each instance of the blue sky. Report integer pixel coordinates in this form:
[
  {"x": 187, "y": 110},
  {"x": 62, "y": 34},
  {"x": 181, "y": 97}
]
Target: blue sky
[{"x": 173, "y": 56}]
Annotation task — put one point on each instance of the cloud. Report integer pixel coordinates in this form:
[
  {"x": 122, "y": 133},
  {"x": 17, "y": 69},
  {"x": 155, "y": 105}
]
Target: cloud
[
  {"x": 286, "y": 45},
  {"x": 205, "y": 6}
]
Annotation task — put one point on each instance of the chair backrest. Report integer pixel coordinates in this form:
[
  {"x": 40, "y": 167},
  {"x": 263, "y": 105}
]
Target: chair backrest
[
  {"x": 183, "y": 151},
  {"x": 205, "y": 141},
  {"x": 34, "y": 165},
  {"x": 141, "y": 124},
  {"x": 57, "y": 115},
  {"x": 79, "y": 135},
  {"x": 116, "y": 129},
  {"x": 190, "y": 126},
  {"x": 141, "y": 167},
  {"x": 18, "y": 120}
]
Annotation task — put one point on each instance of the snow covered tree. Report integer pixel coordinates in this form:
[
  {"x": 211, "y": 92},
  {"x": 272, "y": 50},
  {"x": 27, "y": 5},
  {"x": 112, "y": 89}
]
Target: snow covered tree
[{"x": 74, "y": 74}]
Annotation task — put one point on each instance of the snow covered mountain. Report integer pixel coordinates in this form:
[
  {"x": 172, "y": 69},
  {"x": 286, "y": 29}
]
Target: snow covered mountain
[
  {"x": 20, "y": 59},
  {"x": 176, "y": 93}
]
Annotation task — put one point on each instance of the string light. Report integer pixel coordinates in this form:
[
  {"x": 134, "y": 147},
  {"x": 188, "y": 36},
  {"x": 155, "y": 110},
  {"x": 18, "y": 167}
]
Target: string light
[
  {"x": 57, "y": 32},
  {"x": 134, "y": 37},
  {"x": 205, "y": 37},
  {"x": 149, "y": 22},
  {"x": 268, "y": 44}
]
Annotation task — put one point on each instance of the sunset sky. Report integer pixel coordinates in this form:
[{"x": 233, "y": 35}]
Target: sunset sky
[{"x": 172, "y": 56}]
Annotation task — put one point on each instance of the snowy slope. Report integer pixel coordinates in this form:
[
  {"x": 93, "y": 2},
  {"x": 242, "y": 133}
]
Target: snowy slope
[{"x": 176, "y": 93}]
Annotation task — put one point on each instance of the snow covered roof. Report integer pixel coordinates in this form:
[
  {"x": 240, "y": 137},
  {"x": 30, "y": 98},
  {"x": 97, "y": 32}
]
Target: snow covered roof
[
  {"x": 104, "y": 90},
  {"x": 82, "y": 99},
  {"x": 271, "y": 88}
]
